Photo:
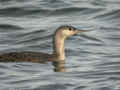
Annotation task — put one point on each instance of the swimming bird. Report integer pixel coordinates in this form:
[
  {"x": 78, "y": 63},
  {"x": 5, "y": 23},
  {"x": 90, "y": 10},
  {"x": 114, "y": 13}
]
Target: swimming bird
[{"x": 58, "y": 54}]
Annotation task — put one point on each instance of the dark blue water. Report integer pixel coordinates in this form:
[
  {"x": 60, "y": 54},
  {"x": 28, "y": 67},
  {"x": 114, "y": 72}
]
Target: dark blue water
[{"x": 92, "y": 58}]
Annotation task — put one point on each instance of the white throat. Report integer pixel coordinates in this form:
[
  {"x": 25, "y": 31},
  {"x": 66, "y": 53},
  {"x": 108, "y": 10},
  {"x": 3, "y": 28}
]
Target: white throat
[{"x": 58, "y": 46}]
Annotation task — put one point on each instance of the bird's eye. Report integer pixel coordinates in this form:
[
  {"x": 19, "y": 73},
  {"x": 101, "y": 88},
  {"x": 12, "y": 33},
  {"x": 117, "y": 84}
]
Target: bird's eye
[{"x": 70, "y": 28}]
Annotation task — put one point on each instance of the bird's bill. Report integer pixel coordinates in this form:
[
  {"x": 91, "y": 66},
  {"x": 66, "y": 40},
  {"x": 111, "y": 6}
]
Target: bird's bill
[{"x": 83, "y": 30}]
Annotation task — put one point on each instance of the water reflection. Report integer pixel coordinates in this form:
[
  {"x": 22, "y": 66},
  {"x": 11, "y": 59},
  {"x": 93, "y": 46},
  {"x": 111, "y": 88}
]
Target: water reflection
[{"x": 59, "y": 66}]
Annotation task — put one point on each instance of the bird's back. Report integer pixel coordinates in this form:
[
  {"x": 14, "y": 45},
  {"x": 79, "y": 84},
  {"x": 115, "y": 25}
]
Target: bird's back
[{"x": 26, "y": 57}]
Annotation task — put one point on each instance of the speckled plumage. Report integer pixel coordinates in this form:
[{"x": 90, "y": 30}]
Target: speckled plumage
[{"x": 36, "y": 57}]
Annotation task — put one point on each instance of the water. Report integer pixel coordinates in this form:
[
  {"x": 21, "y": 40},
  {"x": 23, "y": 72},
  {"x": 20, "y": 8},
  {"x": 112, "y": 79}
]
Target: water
[{"x": 93, "y": 58}]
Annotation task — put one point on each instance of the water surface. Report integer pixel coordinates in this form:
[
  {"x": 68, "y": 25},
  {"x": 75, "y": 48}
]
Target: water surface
[{"x": 93, "y": 58}]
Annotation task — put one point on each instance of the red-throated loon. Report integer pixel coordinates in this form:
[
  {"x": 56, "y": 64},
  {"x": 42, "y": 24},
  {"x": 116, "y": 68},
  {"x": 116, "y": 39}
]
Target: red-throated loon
[{"x": 58, "y": 49}]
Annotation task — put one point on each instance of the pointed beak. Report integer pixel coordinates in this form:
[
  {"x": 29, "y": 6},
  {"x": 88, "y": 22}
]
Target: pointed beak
[
  {"x": 83, "y": 30},
  {"x": 79, "y": 31}
]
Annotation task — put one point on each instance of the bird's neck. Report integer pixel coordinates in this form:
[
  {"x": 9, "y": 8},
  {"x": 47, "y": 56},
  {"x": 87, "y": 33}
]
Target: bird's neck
[{"x": 58, "y": 47}]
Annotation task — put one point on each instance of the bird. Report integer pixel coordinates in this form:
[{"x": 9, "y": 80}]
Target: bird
[{"x": 58, "y": 54}]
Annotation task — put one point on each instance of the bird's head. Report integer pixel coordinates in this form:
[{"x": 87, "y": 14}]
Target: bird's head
[{"x": 66, "y": 31}]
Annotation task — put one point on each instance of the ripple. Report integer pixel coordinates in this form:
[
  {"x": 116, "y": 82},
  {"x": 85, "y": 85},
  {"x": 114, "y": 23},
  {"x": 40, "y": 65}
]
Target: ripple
[
  {"x": 26, "y": 40},
  {"x": 92, "y": 38},
  {"x": 9, "y": 27},
  {"x": 30, "y": 33},
  {"x": 21, "y": 11},
  {"x": 75, "y": 9},
  {"x": 109, "y": 15},
  {"x": 51, "y": 87},
  {"x": 80, "y": 88}
]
